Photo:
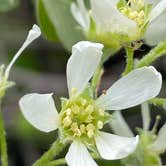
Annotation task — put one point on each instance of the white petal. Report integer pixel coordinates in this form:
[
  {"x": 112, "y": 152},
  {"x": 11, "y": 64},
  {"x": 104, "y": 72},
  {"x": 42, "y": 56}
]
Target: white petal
[
  {"x": 82, "y": 64},
  {"x": 160, "y": 143},
  {"x": 32, "y": 35},
  {"x": 157, "y": 10},
  {"x": 109, "y": 18},
  {"x": 153, "y": 2},
  {"x": 156, "y": 31},
  {"x": 80, "y": 13},
  {"x": 145, "y": 111},
  {"x": 78, "y": 155},
  {"x": 40, "y": 111},
  {"x": 113, "y": 147},
  {"x": 119, "y": 125},
  {"x": 133, "y": 89}
]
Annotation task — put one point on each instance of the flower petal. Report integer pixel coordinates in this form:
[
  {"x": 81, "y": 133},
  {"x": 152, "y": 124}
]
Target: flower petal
[
  {"x": 133, "y": 89},
  {"x": 153, "y": 2},
  {"x": 119, "y": 125},
  {"x": 157, "y": 10},
  {"x": 113, "y": 147},
  {"x": 109, "y": 18},
  {"x": 40, "y": 111},
  {"x": 80, "y": 14},
  {"x": 78, "y": 155},
  {"x": 156, "y": 31},
  {"x": 82, "y": 64},
  {"x": 160, "y": 143},
  {"x": 33, "y": 34},
  {"x": 145, "y": 111}
]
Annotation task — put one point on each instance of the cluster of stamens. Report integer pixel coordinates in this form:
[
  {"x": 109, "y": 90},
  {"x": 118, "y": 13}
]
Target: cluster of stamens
[
  {"x": 80, "y": 118},
  {"x": 134, "y": 10}
]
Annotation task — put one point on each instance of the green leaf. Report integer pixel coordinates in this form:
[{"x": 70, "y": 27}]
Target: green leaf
[
  {"x": 109, "y": 163},
  {"x": 56, "y": 14},
  {"x": 46, "y": 25},
  {"x": 7, "y": 5}
]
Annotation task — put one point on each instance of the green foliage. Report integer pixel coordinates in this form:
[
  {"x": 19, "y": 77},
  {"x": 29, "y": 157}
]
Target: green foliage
[
  {"x": 7, "y": 5},
  {"x": 45, "y": 23},
  {"x": 57, "y": 22},
  {"x": 108, "y": 163},
  {"x": 143, "y": 156}
]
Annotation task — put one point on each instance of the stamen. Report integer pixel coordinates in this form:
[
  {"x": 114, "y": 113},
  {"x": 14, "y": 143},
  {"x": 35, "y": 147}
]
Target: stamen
[
  {"x": 134, "y": 10},
  {"x": 83, "y": 129},
  {"x": 73, "y": 91},
  {"x": 158, "y": 117},
  {"x": 100, "y": 124},
  {"x": 67, "y": 121},
  {"x": 68, "y": 111},
  {"x": 81, "y": 118}
]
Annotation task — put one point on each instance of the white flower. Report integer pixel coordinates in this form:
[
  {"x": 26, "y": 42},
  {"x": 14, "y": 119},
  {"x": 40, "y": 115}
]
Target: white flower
[
  {"x": 82, "y": 117},
  {"x": 135, "y": 19},
  {"x": 32, "y": 35},
  {"x": 149, "y": 141}
]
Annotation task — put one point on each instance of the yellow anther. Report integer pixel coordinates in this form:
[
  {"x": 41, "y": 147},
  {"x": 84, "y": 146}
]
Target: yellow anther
[
  {"x": 90, "y": 108},
  {"x": 75, "y": 129},
  {"x": 68, "y": 112},
  {"x": 124, "y": 10},
  {"x": 74, "y": 126},
  {"x": 73, "y": 91},
  {"x": 89, "y": 119},
  {"x": 83, "y": 102},
  {"x": 140, "y": 4},
  {"x": 90, "y": 133},
  {"x": 101, "y": 112},
  {"x": 134, "y": 10},
  {"x": 90, "y": 127},
  {"x": 133, "y": 14},
  {"x": 67, "y": 121},
  {"x": 100, "y": 124},
  {"x": 141, "y": 14},
  {"x": 76, "y": 109},
  {"x": 83, "y": 128},
  {"x": 77, "y": 132},
  {"x": 81, "y": 118}
]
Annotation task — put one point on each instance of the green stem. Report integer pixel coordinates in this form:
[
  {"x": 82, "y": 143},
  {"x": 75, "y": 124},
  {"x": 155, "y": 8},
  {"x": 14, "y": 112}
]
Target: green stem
[
  {"x": 96, "y": 80},
  {"x": 158, "y": 101},
  {"x": 54, "y": 150},
  {"x": 154, "y": 54},
  {"x": 3, "y": 143},
  {"x": 129, "y": 60},
  {"x": 107, "y": 52},
  {"x": 57, "y": 162}
]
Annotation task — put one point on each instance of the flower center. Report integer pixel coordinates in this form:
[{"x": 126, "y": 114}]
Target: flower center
[
  {"x": 81, "y": 118},
  {"x": 135, "y": 10}
]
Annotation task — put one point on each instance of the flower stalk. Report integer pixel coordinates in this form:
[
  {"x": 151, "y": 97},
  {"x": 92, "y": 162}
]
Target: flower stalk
[
  {"x": 158, "y": 101},
  {"x": 3, "y": 142},
  {"x": 153, "y": 55},
  {"x": 96, "y": 80},
  {"x": 129, "y": 60},
  {"x": 54, "y": 150}
]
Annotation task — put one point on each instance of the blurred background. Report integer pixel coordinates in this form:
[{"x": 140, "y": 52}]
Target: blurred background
[{"x": 41, "y": 68}]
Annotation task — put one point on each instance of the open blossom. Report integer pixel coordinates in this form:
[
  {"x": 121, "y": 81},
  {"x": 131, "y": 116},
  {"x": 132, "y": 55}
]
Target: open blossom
[
  {"x": 151, "y": 145},
  {"x": 4, "y": 74},
  {"x": 118, "y": 21},
  {"x": 82, "y": 117}
]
